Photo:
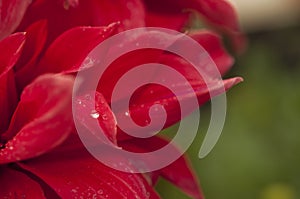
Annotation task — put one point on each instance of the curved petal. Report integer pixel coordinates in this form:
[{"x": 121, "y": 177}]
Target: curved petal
[
  {"x": 132, "y": 59},
  {"x": 153, "y": 94},
  {"x": 165, "y": 20},
  {"x": 208, "y": 40},
  {"x": 10, "y": 48},
  {"x": 15, "y": 184},
  {"x": 219, "y": 13},
  {"x": 179, "y": 172},
  {"x": 72, "y": 172},
  {"x": 69, "y": 14},
  {"x": 87, "y": 110},
  {"x": 42, "y": 119},
  {"x": 149, "y": 95},
  {"x": 36, "y": 35},
  {"x": 212, "y": 43},
  {"x": 11, "y": 14},
  {"x": 69, "y": 50}
]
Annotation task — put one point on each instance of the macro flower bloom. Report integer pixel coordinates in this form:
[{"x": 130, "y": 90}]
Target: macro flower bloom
[{"x": 43, "y": 44}]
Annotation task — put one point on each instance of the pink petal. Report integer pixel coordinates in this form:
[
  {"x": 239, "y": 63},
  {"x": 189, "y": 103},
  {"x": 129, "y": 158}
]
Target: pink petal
[
  {"x": 72, "y": 172},
  {"x": 70, "y": 49},
  {"x": 179, "y": 172},
  {"x": 15, "y": 184},
  {"x": 10, "y": 48},
  {"x": 36, "y": 35},
  {"x": 11, "y": 14},
  {"x": 87, "y": 110},
  {"x": 72, "y": 13},
  {"x": 42, "y": 119}
]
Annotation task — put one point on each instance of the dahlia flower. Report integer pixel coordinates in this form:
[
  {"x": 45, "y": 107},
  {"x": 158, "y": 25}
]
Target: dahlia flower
[{"x": 44, "y": 44}]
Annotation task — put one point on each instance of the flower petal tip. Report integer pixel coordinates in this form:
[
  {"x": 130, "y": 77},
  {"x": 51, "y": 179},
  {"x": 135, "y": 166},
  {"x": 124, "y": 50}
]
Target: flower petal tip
[{"x": 229, "y": 83}]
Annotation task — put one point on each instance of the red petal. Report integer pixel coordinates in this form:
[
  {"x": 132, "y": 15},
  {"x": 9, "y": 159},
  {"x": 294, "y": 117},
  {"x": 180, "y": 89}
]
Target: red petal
[
  {"x": 218, "y": 12},
  {"x": 70, "y": 49},
  {"x": 11, "y": 14},
  {"x": 147, "y": 96},
  {"x": 122, "y": 65},
  {"x": 165, "y": 20},
  {"x": 10, "y": 48},
  {"x": 179, "y": 172},
  {"x": 42, "y": 119},
  {"x": 87, "y": 110},
  {"x": 15, "y": 184},
  {"x": 144, "y": 99},
  {"x": 72, "y": 172},
  {"x": 84, "y": 13},
  {"x": 212, "y": 43},
  {"x": 126, "y": 62},
  {"x": 36, "y": 35}
]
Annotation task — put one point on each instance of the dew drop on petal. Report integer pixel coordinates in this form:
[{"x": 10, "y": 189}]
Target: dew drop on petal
[
  {"x": 94, "y": 114},
  {"x": 88, "y": 97},
  {"x": 74, "y": 191},
  {"x": 104, "y": 117}
]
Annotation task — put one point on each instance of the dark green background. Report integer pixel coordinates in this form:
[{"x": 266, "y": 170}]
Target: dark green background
[{"x": 258, "y": 154}]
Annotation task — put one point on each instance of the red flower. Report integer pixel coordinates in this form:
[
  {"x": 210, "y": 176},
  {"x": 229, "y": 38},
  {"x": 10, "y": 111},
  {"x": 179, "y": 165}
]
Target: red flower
[{"x": 41, "y": 155}]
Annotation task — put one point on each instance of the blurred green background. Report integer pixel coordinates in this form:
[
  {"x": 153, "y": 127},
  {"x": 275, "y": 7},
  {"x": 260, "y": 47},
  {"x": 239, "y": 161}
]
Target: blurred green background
[{"x": 258, "y": 154}]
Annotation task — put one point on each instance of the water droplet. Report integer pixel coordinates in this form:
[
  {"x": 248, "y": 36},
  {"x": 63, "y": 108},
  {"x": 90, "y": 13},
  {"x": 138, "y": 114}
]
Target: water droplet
[
  {"x": 74, "y": 191},
  {"x": 127, "y": 113},
  {"x": 104, "y": 117},
  {"x": 147, "y": 122},
  {"x": 94, "y": 114},
  {"x": 100, "y": 191},
  {"x": 88, "y": 97},
  {"x": 147, "y": 194}
]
